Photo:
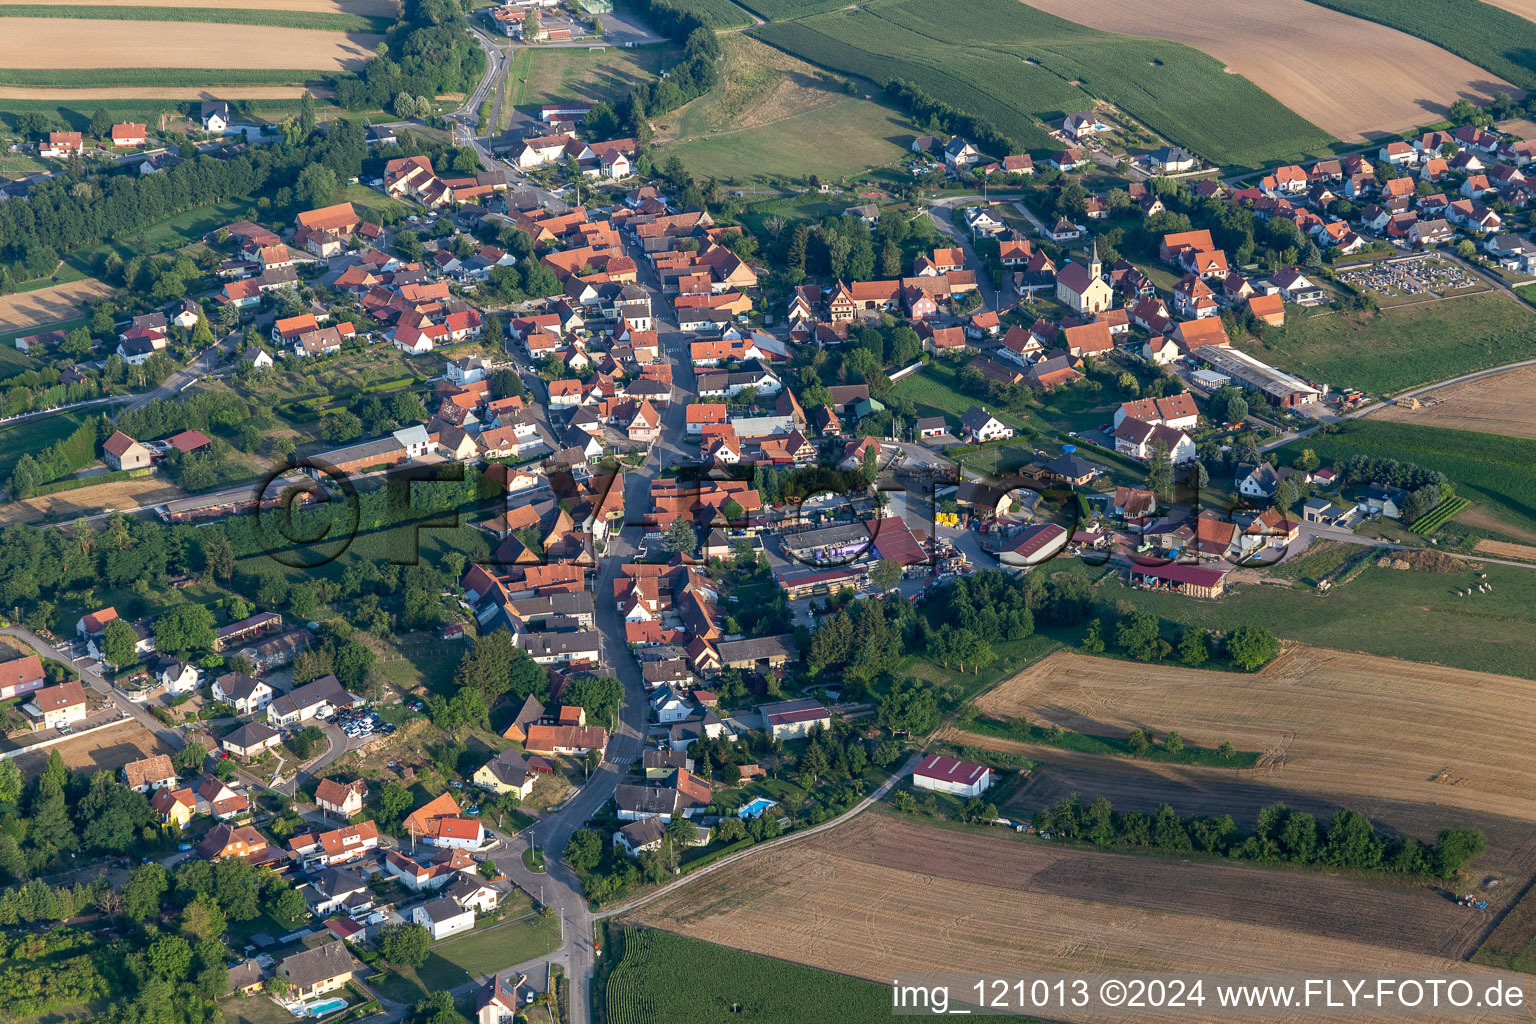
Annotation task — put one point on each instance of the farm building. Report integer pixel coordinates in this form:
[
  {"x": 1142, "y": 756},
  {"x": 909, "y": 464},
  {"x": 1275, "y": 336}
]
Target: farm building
[
  {"x": 1277, "y": 386},
  {"x": 794, "y": 719},
  {"x": 947, "y": 775},
  {"x": 1193, "y": 580}
]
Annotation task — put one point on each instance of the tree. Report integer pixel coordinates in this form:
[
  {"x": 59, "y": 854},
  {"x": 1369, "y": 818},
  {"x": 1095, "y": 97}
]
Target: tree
[
  {"x": 585, "y": 849},
  {"x": 1226, "y": 750},
  {"x": 1093, "y": 640},
  {"x": 1252, "y": 646},
  {"x": 680, "y": 831},
  {"x": 189, "y": 759},
  {"x": 1174, "y": 743},
  {"x": 101, "y": 122},
  {"x": 436, "y": 1008},
  {"x": 1194, "y": 648},
  {"x": 119, "y": 644},
  {"x": 11, "y": 782},
  {"x": 185, "y": 627},
  {"x": 307, "y": 112},
  {"x": 394, "y": 801},
  {"x": 317, "y": 186},
  {"x": 288, "y": 906},
  {"x": 886, "y": 574},
  {"x": 680, "y": 538},
  {"x": 1140, "y": 636},
  {"x": 143, "y": 891},
  {"x": 404, "y": 945},
  {"x": 601, "y": 696},
  {"x": 1160, "y": 470},
  {"x": 202, "y": 918},
  {"x": 912, "y": 708},
  {"x": 1307, "y": 461}
]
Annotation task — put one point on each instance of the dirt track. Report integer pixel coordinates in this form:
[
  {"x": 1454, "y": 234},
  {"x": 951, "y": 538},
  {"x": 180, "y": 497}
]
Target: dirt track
[
  {"x": 38, "y": 42},
  {"x": 878, "y": 896},
  {"x": 47, "y": 305},
  {"x": 1505, "y": 404},
  {"x": 1346, "y": 75},
  {"x": 1332, "y": 723}
]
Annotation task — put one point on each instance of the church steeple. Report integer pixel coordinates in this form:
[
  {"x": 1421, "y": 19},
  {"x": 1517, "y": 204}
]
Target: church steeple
[{"x": 1094, "y": 268}]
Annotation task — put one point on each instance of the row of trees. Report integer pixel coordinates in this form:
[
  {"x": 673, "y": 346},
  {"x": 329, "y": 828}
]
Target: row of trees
[
  {"x": 1347, "y": 840},
  {"x": 1139, "y": 635}
]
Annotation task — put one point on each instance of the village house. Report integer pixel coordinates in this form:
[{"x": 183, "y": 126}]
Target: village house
[
  {"x": 341, "y": 800},
  {"x": 56, "y": 707},
  {"x": 150, "y": 773},
  {"x": 251, "y": 740},
  {"x": 316, "y": 971}
]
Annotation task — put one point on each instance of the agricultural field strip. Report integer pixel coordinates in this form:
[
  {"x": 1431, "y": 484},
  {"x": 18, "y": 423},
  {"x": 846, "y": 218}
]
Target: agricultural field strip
[
  {"x": 66, "y": 83},
  {"x": 1303, "y": 710},
  {"x": 849, "y": 899},
  {"x": 1487, "y": 35},
  {"x": 37, "y": 43},
  {"x": 319, "y": 21},
  {"x": 1177, "y": 90},
  {"x": 1500, "y": 405},
  {"x": 1347, "y": 76}
]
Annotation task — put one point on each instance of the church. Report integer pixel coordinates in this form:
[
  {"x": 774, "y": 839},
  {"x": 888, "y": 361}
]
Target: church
[{"x": 1083, "y": 289}]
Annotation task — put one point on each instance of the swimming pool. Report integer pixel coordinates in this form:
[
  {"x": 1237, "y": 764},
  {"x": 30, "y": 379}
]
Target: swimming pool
[
  {"x": 324, "y": 1007},
  {"x": 756, "y": 807}
]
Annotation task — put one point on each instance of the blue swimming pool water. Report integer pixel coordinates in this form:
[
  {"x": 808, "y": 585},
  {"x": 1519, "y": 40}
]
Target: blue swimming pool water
[
  {"x": 325, "y": 1006},
  {"x": 756, "y": 807}
]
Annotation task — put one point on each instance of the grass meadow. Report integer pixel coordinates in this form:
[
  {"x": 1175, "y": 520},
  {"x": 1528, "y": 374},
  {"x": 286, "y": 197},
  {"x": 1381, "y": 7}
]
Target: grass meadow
[{"x": 1396, "y": 349}]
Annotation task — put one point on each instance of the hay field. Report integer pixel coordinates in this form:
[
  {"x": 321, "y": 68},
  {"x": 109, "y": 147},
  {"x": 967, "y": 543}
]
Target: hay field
[
  {"x": 374, "y": 8},
  {"x": 877, "y": 896},
  {"x": 1328, "y": 722},
  {"x": 1502, "y": 549},
  {"x": 65, "y": 506},
  {"x": 50, "y": 305},
  {"x": 1501, "y": 404},
  {"x": 38, "y": 42},
  {"x": 1345, "y": 75}
]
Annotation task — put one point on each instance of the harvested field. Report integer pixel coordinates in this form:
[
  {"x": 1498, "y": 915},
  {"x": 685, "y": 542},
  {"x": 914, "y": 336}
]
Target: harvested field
[
  {"x": 375, "y": 8},
  {"x": 1501, "y": 404},
  {"x": 249, "y": 92},
  {"x": 108, "y": 749},
  {"x": 1305, "y": 710},
  {"x": 996, "y": 904},
  {"x": 67, "y": 505},
  {"x": 1479, "y": 516},
  {"x": 36, "y": 43},
  {"x": 1139, "y": 785},
  {"x": 48, "y": 305},
  {"x": 1502, "y": 550},
  {"x": 1345, "y": 75}
]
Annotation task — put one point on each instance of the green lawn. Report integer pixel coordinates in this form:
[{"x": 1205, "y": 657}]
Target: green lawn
[
  {"x": 1495, "y": 471},
  {"x": 33, "y": 436},
  {"x": 1396, "y": 349},
  {"x": 659, "y": 976},
  {"x": 172, "y": 233},
  {"x": 476, "y": 954},
  {"x": 389, "y": 208},
  {"x": 569, "y": 73},
  {"x": 1017, "y": 67}
]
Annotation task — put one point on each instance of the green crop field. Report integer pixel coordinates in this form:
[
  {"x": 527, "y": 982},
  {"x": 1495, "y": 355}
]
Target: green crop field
[
  {"x": 787, "y": 10},
  {"x": 719, "y": 13},
  {"x": 1396, "y": 349},
  {"x": 97, "y": 78},
  {"x": 218, "y": 15},
  {"x": 1493, "y": 470},
  {"x": 1016, "y": 66},
  {"x": 1488, "y": 36},
  {"x": 664, "y": 977}
]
